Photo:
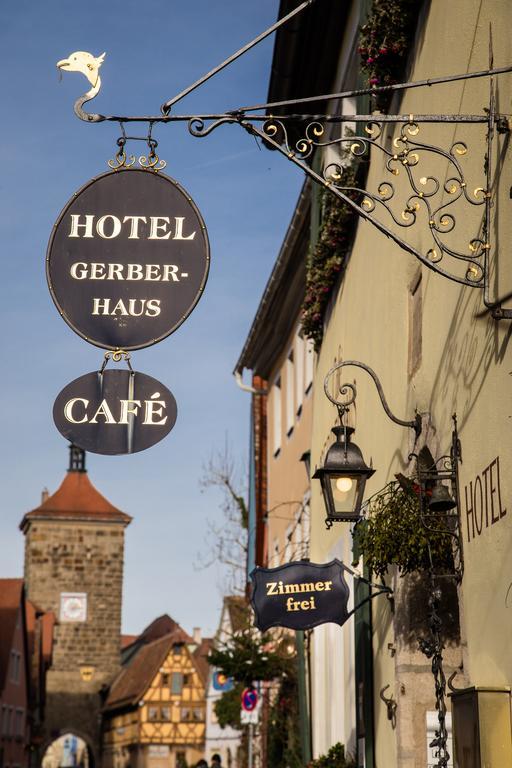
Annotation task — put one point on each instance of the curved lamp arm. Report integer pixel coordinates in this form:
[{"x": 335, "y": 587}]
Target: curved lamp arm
[{"x": 413, "y": 424}]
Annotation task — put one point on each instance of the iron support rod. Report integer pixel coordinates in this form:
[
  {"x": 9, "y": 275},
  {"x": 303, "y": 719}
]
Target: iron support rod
[
  {"x": 236, "y": 116},
  {"x": 166, "y": 107},
  {"x": 413, "y": 424},
  {"x": 380, "y": 89}
]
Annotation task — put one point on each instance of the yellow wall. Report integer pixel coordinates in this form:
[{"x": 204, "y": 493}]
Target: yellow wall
[{"x": 466, "y": 360}]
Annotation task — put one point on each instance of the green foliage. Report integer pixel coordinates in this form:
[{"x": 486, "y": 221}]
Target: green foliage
[
  {"x": 384, "y": 43},
  {"x": 335, "y": 758},
  {"x": 284, "y": 748},
  {"x": 227, "y": 707},
  {"x": 327, "y": 258},
  {"x": 394, "y": 534},
  {"x": 247, "y": 658}
]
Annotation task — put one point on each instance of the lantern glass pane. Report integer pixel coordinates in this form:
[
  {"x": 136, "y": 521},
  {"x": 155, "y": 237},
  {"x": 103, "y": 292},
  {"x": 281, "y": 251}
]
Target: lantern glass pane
[{"x": 344, "y": 493}]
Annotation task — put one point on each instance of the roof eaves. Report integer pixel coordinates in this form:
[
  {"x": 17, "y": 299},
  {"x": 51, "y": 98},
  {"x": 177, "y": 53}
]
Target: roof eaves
[{"x": 286, "y": 254}]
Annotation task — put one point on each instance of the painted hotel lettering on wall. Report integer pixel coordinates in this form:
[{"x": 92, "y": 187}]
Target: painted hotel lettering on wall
[
  {"x": 128, "y": 259},
  {"x": 483, "y": 501}
]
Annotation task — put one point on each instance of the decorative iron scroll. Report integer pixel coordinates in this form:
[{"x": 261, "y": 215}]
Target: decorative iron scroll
[{"x": 408, "y": 157}]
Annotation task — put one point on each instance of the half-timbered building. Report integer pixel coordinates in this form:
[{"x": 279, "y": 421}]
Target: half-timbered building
[{"x": 154, "y": 715}]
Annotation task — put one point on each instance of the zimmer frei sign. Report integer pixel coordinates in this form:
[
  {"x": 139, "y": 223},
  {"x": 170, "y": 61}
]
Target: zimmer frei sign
[
  {"x": 300, "y": 595},
  {"x": 126, "y": 264}
]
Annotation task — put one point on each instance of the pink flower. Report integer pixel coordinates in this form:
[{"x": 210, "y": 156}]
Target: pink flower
[
  {"x": 374, "y": 80},
  {"x": 370, "y": 60}
]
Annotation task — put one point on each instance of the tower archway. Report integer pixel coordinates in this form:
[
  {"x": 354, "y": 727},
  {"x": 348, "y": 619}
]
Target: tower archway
[{"x": 68, "y": 750}]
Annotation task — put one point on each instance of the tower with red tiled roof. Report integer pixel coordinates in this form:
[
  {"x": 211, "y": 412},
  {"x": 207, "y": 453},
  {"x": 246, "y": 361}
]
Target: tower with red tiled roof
[{"x": 74, "y": 549}]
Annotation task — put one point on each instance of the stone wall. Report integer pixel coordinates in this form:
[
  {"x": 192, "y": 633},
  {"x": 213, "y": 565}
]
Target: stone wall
[{"x": 78, "y": 557}]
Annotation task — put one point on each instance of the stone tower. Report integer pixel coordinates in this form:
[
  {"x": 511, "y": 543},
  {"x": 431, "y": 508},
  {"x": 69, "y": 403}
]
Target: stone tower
[{"x": 74, "y": 545}]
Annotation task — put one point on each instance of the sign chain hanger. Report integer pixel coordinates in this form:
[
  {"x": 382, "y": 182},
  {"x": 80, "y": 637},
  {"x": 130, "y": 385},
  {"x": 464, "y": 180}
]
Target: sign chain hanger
[{"x": 428, "y": 199}]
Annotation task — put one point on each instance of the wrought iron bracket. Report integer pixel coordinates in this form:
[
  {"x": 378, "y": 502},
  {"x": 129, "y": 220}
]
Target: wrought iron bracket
[
  {"x": 344, "y": 405},
  {"x": 391, "y": 705},
  {"x": 427, "y": 198}
]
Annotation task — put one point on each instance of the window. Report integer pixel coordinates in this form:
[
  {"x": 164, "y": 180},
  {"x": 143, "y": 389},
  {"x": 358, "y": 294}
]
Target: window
[
  {"x": 177, "y": 649},
  {"x": 198, "y": 714},
  {"x": 15, "y": 666},
  {"x": 180, "y": 760},
  {"x": 18, "y": 724},
  {"x": 275, "y": 554},
  {"x": 186, "y": 714},
  {"x": 415, "y": 324},
  {"x": 290, "y": 383},
  {"x": 165, "y": 713},
  {"x": 176, "y": 683},
  {"x": 288, "y": 544},
  {"x": 299, "y": 373},
  {"x": 276, "y": 412},
  {"x": 5, "y": 720},
  {"x": 308, "y": 365},
  {"x": 186, "y": 679},
  {"x": 152, "y": 714},
  {"x": 165, "y": 679}
]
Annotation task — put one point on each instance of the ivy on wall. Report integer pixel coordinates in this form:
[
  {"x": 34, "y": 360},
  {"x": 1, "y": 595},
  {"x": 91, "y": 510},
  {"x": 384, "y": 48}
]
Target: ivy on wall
[
  {"x": 326, "y": 259},
  {"x": 384, "y": 44}
]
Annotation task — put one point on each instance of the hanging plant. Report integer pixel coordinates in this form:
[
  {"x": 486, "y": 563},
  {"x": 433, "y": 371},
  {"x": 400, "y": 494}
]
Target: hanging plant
[
  {"x": 384, "y": 44},
  {"x": 335, "y": 758},
  {"x": 326, "y": 259},
  {"x": 393, "y": 533}
]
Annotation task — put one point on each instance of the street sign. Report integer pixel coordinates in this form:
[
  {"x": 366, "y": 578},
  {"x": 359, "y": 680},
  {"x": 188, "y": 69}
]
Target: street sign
[
  {"x": 249, "y": 718},
  {"x": 300, "y": 595},
  {"x": 128, "y": 259},
  {"x": 115, "y": 412},
  {"x": 222, "y": 682},
  {"x": 249, "y": 699}
]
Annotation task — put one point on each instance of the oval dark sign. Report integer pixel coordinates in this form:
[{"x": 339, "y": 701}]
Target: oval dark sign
[
  {"x": 128, "y": 259},
  {"x": 115, "y": 412}
]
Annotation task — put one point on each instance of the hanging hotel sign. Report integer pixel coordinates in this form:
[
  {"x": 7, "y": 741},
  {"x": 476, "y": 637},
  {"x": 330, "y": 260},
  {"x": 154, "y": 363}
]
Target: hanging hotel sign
[
  {"x": 115, "y": 411},
  {"x": 300, "y": 595},
  {"x": 128, "y": 259}
]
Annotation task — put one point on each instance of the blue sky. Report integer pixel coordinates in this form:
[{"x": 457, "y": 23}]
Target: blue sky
[{"x": 246, "y": 195}]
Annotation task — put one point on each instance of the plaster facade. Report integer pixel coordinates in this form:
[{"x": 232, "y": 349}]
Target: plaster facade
[{"x": 462, "y": 366}]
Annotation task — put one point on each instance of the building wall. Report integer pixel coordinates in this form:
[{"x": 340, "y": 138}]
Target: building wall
[
  {"x": 14, "y": 731},
  {"x": 464, "y": 367},
  {"x": 82, "y": 558},
  {"x": 289, "y": 413}
]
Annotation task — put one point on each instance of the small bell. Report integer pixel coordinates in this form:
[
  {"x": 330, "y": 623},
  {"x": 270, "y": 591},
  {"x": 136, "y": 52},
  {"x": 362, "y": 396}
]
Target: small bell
[{"x": 441, "y": 500}]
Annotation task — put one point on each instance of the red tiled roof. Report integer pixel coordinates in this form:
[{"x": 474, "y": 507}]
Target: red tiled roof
[
  {"x": 10, "y": 600},
  {"x": 48, "y": 621},
  {"x": 133, "y": 681},
  {"x": 76, "y": 499},
  {"x": 127, "y": 640}
]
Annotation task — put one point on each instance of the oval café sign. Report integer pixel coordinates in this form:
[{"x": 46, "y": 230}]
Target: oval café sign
[
  {"x": 115, "y": 412},
  {"x": 128, "y": 259}
]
